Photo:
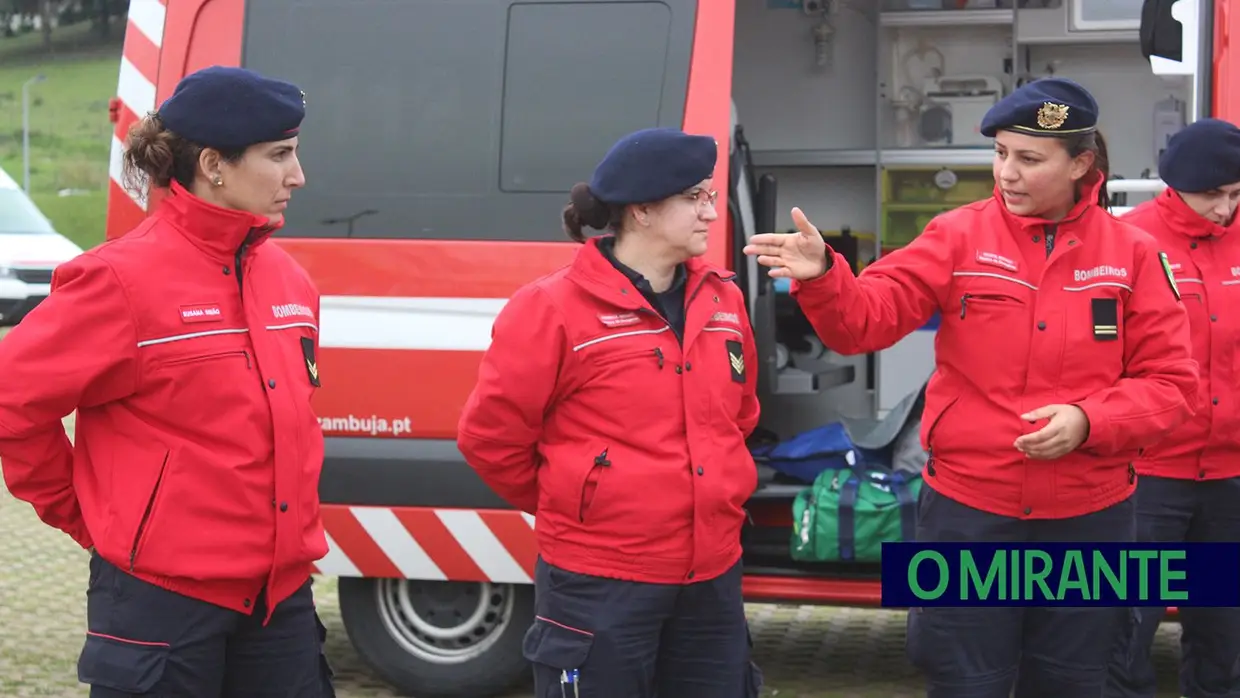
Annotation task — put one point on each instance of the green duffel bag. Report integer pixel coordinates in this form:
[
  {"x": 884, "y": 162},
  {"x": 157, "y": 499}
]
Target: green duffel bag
[{"x": 847, "y": 514}]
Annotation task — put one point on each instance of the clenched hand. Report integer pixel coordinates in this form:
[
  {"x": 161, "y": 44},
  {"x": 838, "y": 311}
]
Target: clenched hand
[
  {"x": 801, "y": 255},
  {"x": 1067, "y": 429}
]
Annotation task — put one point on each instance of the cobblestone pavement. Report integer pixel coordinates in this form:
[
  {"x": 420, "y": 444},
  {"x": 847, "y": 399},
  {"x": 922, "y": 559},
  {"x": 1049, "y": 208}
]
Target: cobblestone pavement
[{"x": 805, "y": 652}]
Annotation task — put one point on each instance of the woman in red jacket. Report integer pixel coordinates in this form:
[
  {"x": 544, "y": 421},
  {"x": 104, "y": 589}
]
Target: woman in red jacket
[
  {"x": 614, "y": 403},
  {"x": 1189, "y": 487},
  {"x": 1063, "y": 350},
  {"x": 193, "y": 479}
]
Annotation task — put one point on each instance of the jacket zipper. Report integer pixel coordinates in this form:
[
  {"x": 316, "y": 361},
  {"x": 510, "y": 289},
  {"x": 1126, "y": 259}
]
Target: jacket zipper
[
  {"x": 591, "y": 484},
  {"x": 692, "y": 295},
  {"x": 702, "y": 282},
  {"x": 245, "y": 244},
  {"x": 930, "y": 438},
  {"x": 651, "y": 311},
  {"x": 146, "y": 515},
  {"x": 964, "y": 300},
  {"x": 1048, "y": 233}
]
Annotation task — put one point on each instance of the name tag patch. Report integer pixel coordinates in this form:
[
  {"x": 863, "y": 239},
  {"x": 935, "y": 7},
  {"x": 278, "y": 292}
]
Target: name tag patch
[
  {"x": 1106, "y": 318},
  {"x": 996, "y": 260},
  {"x": 202, "y": 312},
  {"x": 619, "y": 319},
  {"x": 736, "y": 360}
]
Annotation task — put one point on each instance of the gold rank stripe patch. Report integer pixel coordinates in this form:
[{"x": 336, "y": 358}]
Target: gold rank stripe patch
[{"x": 738, "y": 363}]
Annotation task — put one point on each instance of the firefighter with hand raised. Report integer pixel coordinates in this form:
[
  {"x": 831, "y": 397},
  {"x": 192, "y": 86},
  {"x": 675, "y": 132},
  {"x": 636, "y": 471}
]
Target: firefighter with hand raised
[
  {"x": 614, "y": 403},
  {"x": 1063, "y": 350},
  {"x": 1189, "y": 484},
  {"x": 187, "y": 348}
]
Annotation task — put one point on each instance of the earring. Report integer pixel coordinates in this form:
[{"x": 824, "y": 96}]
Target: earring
[{"x": 218, "y": 181}]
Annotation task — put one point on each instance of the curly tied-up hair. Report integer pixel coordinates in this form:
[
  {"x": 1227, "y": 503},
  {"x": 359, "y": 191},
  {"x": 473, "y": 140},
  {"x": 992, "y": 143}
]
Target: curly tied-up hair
[{"x": 586, "y": 209}]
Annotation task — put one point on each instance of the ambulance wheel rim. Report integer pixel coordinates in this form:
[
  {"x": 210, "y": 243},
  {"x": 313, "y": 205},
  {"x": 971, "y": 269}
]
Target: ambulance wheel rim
[{"x": 444, "y": 622}]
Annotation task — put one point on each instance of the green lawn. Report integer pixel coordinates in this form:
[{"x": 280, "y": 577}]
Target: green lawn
[{"x": 70, "y": 134}]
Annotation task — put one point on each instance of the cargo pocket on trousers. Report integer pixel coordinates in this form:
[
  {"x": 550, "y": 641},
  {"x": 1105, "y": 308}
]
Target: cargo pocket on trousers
[
  {"x": 1130, "y": 636},
  {"x": 753, "y": 674},
  {"x": 122, "y": 665},
  {"x": 555, "y": 645},
  {"x": 914, "y": 639},
  {"x": 326, "y": 672}
]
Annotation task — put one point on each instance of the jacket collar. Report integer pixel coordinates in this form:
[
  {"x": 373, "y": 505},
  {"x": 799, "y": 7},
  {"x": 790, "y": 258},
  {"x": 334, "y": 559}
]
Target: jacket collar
[
  {"x": 607, "y": 246},
  {"x": 592, "y": 271},
  {"x": 217, "y": 231},
  {"x": 1087, "y": 201},
  {"x": 1185, "y": 221}
]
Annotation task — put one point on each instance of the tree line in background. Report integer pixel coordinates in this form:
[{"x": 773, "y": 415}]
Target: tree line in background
[{"x": 23, "y": 16}]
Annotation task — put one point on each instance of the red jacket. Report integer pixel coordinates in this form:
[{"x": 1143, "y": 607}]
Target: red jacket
[
  {"x": 630, "y": 449},
  {"x": 1096, "y": 324},
  {"x": 1203, "y": 256},
  {"x": 197, "y": 455}
]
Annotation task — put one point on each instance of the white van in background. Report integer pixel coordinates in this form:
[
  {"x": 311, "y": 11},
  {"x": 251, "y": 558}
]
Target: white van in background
[{"x": 30, "y": 248}]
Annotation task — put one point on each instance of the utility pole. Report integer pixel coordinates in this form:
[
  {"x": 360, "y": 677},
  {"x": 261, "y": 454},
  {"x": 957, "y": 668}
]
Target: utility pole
[{"x": 26, "y": 130}]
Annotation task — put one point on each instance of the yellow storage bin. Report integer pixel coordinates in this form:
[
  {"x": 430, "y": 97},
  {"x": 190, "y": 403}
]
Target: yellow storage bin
[
  {"x": 901, "y": 224},
  {"x": 936, "y": 184}
]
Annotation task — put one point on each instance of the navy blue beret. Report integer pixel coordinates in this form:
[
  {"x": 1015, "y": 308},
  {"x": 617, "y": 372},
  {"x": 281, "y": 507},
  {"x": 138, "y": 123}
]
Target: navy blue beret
[
  {"x": 233, "y": 108},
  {"x": 1046, "y": 107},
  {"x": 1203, "y": 156},
  {"x": 653, "y": 164}
]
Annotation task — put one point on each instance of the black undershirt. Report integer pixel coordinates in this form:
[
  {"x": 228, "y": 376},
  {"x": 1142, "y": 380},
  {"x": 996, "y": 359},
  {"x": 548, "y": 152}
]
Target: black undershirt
[{"x": 670, "y": 303}]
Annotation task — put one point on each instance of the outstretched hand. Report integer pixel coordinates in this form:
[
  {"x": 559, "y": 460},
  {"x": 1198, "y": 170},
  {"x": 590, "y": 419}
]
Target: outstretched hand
[
  {"x": 1067, "y": 429},
  {"x": 801, "y": 255}
]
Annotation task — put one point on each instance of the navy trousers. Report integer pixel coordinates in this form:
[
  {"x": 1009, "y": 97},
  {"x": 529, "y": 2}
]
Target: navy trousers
[
  {"x": 1041, "y": 652},
  {"x": 1174, "y": 511},
  {"x": 633, "y": 640},
  {"x": 143, "y": 640}
]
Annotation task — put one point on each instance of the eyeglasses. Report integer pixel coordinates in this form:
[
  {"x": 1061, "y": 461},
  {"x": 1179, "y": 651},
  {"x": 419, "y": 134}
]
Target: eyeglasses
[{"x": 701, "y": 197}]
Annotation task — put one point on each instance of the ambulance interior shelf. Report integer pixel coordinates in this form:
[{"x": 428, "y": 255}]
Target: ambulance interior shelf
[
  {"x": 777, "y": 320},
  {"x": 877, "y": 451},
  {"x": 912, "y": 195}
]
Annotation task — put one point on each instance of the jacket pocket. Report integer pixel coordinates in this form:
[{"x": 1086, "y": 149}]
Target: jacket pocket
[
  {"x": 589, "y": 487},
  {"x": 653, "y": 354},
  {"x": 557, "y": 645},
  {"x": 228, "y": 397},
  {"x": 213, "y": 356},
  {"x": 127, "y": 666},
  {"x": 986, "y": 303},
  {"x": 146, "y": 523},
  {"x": 936, "y": 419}
]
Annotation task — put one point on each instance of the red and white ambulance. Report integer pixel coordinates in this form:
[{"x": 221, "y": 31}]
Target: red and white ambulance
[{"x": 441, "y": 140}]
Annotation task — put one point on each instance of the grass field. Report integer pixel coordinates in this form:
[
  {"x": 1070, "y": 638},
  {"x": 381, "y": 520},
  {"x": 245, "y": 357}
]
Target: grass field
[{"x": 70, "y": 134}]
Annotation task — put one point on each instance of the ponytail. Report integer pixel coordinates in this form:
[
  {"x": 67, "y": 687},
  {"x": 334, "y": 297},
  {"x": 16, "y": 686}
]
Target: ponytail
[
  {"x": 585, "y": 209},
  {"x": 1095, "y": 143}
]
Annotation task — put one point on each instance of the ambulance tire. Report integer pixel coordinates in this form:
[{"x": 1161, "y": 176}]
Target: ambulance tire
[{"x": 440, "y": 639}]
